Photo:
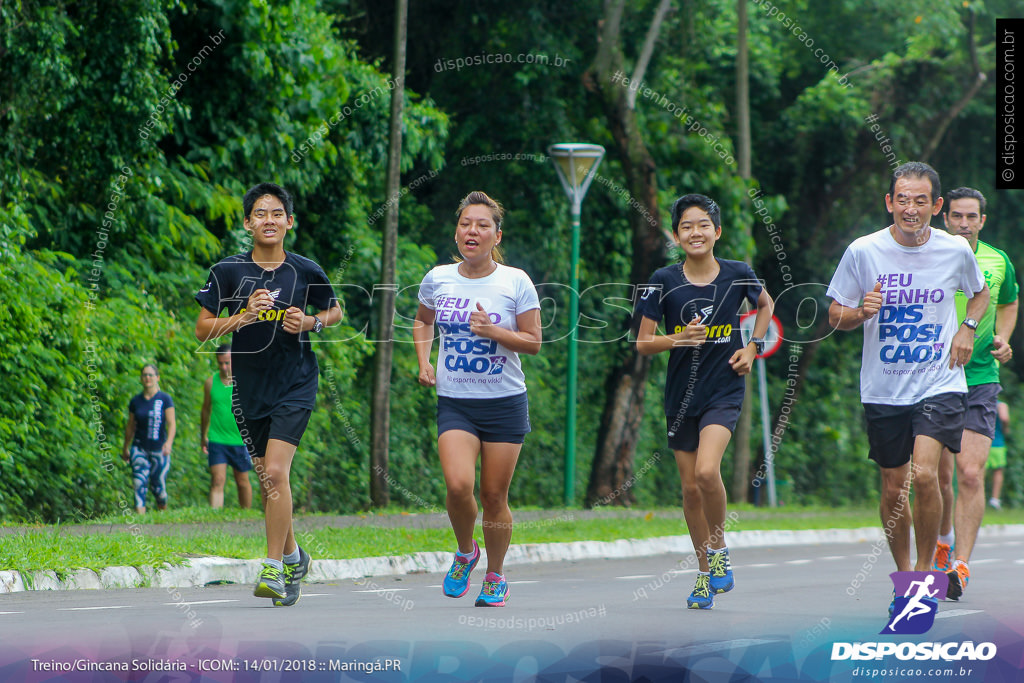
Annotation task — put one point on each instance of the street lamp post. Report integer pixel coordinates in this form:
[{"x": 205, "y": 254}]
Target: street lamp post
[{"x": 576, "y": 164}]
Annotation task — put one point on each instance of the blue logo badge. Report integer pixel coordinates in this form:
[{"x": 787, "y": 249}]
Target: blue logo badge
[{"x": 917, "y": 601}]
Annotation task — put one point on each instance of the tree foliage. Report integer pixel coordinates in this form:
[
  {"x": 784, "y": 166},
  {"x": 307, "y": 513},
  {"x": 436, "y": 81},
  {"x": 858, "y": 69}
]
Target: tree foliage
[{"x": 129, "y": 131}]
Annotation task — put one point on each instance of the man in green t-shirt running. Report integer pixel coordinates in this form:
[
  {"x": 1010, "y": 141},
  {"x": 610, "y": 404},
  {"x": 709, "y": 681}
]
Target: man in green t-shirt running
[
  {"x": 218, "y": 434},
  {"x": 965, "y": 216}
]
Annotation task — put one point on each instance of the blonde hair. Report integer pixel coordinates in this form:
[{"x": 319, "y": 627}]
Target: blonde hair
[{"x": 497, "y": 214}]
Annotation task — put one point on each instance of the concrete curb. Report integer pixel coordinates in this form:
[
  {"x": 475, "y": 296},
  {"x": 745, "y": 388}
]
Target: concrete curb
[{"x": 206, "y": 570}]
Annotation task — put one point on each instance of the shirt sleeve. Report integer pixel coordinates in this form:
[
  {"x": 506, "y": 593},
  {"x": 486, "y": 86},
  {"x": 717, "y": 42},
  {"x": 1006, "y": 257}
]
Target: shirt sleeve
[
  {"x": 845, "y": 288},
  {"x": 650, "y": 304},
  {"x": 754, "y": 286},
  {"x": 1009, "y": 290},
  {"x": 971, "y": 279},
  {"x": 209, "y": 297},
  {"x": 168, "y": 401},
  {"x": 426, "y": 294},
  {"x": 526, "y": 296},
  {"x": 319, "y": 293}
]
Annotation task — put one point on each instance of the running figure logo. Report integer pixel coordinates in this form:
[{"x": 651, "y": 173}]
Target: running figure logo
[{"x": 916, "y": 603}]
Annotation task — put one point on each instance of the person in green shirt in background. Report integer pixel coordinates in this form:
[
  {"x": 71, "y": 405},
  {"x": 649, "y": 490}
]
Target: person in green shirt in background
[
  {"x": 965, "y": 216},
  {"x": 218, "y": 434}
]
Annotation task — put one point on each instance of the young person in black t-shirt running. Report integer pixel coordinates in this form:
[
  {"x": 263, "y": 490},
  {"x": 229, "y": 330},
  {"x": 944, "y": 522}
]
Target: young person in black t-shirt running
[
  {"x": 699, "y": 301},
  {"x": 266, "y": 293}
]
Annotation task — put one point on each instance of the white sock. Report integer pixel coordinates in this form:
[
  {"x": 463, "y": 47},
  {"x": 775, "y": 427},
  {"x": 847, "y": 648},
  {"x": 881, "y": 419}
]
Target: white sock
[
  {"x": 948, "y": 538},
  {"x": 274, "y": 563},
  {"x": 292, "y": 557}
]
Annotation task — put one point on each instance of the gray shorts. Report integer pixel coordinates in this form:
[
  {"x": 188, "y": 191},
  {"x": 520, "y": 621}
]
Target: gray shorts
[{"x": 981, "y": 408}]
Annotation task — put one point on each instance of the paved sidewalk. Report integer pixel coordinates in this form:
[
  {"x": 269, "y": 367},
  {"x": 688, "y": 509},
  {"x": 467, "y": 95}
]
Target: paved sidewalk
[{"x": 206, "y": 570}]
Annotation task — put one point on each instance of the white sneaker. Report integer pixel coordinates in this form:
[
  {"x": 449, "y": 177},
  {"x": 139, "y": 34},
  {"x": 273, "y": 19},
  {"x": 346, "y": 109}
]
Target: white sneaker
[{"x": 995, "y": 504}]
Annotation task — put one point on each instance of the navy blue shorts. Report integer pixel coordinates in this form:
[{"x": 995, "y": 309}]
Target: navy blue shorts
[
  {"x": 287, "y": 424},
  {"x": 493, "y": 420},
  {"x": 223, "y": 454},
  {"x": 684, "y": 434}
]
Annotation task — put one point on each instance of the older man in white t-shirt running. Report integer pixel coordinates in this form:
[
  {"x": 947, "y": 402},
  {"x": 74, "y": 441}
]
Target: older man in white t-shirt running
[{"x": 899, "y": 283}]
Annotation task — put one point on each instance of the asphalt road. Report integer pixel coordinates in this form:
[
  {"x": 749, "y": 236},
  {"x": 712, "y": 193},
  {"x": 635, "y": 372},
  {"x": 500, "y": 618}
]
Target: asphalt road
[{"x": 606, "y": 620}]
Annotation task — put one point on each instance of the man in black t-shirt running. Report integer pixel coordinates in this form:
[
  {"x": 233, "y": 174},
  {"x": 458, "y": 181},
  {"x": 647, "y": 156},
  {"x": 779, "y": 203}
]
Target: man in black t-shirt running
[{"x": 266, "y": 293}]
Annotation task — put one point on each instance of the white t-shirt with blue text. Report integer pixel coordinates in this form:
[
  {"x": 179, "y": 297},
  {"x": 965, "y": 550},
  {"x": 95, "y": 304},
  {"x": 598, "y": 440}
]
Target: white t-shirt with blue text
[
  {"x": 906, "y": 350},
  {"x": 469, "y": 366}
]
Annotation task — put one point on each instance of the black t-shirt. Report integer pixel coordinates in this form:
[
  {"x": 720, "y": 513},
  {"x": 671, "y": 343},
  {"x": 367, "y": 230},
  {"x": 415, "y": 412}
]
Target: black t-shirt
[
  {"x": 700, "y": 376},
  {"x": 271, "y": 367}
]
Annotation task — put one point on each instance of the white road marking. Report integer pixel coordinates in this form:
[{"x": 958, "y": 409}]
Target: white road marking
[
  {"x": 11, "y": 612},
  {"x": 382, "y": 590},
  {"x": 957, "y": 613},
  {"x": 635, "y": 576},
  {"x": 89, "y": 609},
  {"x": 200, "y": 602},
  {"x": 833, "y": 557},
  {"x": 799, "y": 561},
  {"x": 766, "y": 564}
]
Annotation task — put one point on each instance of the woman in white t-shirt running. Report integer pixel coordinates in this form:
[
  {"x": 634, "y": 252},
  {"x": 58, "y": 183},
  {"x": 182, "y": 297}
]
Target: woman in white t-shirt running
[{"x": 487, "y": 313}]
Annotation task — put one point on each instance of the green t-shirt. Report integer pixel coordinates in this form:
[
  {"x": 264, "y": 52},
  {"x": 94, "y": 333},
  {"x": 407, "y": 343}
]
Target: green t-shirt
[
  {"x": 223, "y": 429},
  {"x": 1002, "y": 284}
]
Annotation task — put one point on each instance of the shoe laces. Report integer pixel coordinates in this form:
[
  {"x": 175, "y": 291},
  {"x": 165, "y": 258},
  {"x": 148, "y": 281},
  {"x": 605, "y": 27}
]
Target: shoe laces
[
  {"x": 459, "y": 568},
  {"x": 492, "y": 587},
  {"x": 270, "y": 572},
  {"x": 719, "y": 563},
  {"x": 702, "y": 589}
]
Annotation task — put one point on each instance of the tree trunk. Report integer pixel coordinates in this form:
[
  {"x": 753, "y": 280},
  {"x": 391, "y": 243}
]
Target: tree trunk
[
  {"x": 380, "y": 407},
  {"x": 612, "y": 467},
  {"x": 741, "y": 439}
]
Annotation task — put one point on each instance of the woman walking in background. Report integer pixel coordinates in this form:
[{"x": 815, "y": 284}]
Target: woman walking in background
[{"x": 149, "y": 438}]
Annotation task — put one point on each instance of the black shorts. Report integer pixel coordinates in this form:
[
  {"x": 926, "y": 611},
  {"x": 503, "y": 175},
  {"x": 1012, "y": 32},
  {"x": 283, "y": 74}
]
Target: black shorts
[
  {"x": 892, "y": 429},
  {"x": 493, "y": 420},
  {"x": 981, "y": 408},
  {"x": 684, "y": 434},
  {"x": 286, "y": 423}
]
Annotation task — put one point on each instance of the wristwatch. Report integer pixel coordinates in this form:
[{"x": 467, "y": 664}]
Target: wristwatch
[
  {"x": 971, "y": 323},
  {"x": 759, "y": 344},
  {"x": 318, "y": 324}
]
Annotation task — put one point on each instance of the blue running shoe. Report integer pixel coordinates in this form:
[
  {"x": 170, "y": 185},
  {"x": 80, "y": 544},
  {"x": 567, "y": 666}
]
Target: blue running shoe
[
  {"x": 456, "y": 583},
  {"x": 701, "y": 597},
  {"x": 721, "y": 571},
  {"x": 494, "y": 592}
]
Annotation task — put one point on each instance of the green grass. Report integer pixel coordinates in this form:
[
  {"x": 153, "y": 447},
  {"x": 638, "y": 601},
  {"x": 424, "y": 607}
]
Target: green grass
[{"x": 126, "y": 544}]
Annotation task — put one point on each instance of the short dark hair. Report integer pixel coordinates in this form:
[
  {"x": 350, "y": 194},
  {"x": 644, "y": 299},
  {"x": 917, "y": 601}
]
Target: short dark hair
[
  {"x": 917, "y": 169},
  {"x": 966, "y": 193},
  {"x": 223, "y": 348},
  {"x": 273, "y": 189},
  {"x": 156, "y": 370},
  {"x": 705, "y": 203}
]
